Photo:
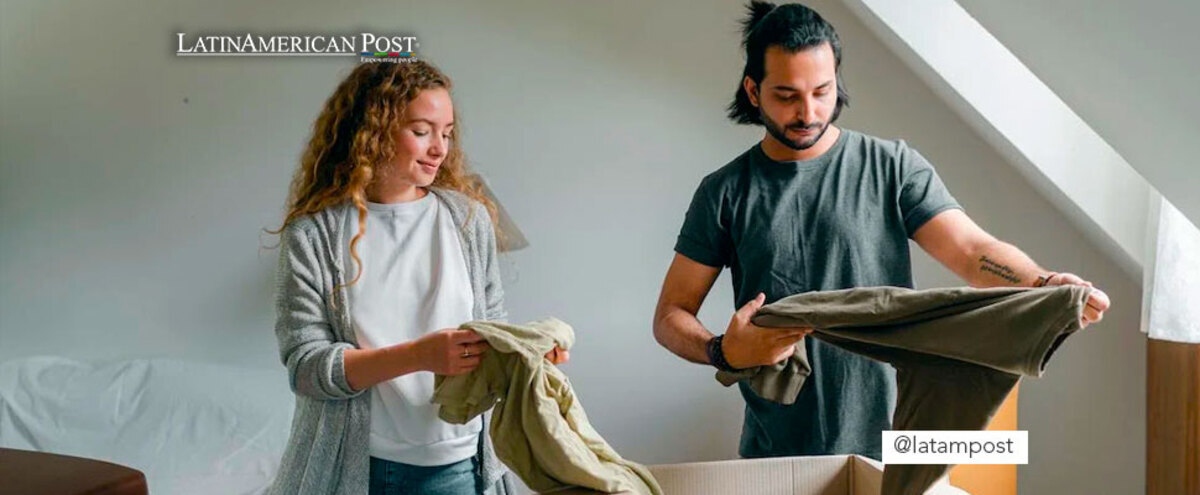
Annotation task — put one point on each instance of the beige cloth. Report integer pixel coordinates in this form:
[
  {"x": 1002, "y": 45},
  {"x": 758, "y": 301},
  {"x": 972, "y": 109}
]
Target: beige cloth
[
  {"x": 538, "y": 427},
  {"x": 958, "y": 352}
]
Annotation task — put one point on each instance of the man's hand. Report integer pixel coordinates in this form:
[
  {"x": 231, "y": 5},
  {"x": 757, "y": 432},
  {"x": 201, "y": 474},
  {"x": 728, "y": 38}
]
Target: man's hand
[
  {"x": 1097, "y": 302},
  {"x": 747, "y": 345}
]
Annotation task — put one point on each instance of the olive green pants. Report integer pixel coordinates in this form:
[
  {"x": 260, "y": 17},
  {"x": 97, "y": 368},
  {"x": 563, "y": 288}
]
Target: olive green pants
[{"x": 957, "y": 352}]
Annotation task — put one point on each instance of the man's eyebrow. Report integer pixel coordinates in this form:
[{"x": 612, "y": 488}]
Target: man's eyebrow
[{"x": 784, "y": 87}]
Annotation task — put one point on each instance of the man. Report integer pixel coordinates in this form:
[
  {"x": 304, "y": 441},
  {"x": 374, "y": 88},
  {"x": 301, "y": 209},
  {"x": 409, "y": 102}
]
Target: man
[{"x": 816, "y": 207}]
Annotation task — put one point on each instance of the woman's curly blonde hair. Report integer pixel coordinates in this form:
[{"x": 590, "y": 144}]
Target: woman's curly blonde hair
[{"x": 355, "y": 134}]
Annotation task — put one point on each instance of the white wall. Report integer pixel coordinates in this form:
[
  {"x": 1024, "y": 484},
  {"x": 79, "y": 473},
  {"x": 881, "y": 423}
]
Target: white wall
[{"x": 131, "y": 219}]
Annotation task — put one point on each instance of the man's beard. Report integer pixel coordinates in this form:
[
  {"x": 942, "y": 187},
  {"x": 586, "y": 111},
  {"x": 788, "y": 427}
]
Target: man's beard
[{"x": 780, "y": 132}]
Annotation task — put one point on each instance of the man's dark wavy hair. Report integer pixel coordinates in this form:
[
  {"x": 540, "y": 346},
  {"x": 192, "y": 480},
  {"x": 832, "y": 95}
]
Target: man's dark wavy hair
[{"x": 792, "y": 27}]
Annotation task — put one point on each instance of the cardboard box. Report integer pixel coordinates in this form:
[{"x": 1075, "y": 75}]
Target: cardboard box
[{"x": 807, "y": 475}]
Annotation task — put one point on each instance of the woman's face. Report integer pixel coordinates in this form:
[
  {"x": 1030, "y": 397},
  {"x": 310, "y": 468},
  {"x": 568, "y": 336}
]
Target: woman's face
[{"x": 424, "y": 137}]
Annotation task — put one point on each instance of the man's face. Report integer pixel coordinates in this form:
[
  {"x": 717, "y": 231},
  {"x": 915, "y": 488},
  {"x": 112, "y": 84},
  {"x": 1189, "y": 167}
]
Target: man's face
[{"x": 798, "y": 94}]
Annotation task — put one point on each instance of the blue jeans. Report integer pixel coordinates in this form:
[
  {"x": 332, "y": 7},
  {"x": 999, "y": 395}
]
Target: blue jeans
[{"x": 394, "y": 478}]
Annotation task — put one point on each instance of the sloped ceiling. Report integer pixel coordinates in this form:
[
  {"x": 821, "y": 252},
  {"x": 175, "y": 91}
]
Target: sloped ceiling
[
  {"x": 1131, "y": 70},
  {"x": 1066, "y": 160}
]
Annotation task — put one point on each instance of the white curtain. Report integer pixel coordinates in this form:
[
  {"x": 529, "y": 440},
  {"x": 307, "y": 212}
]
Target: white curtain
[{"x": 1171, "y": 276}]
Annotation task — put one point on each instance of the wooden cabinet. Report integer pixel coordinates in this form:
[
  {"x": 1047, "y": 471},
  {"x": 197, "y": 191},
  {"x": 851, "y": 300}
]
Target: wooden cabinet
[{"x": 991, "y": 479}]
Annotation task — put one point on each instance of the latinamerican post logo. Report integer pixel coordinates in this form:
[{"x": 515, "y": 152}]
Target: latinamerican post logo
[{"x": 370, "y": 47}]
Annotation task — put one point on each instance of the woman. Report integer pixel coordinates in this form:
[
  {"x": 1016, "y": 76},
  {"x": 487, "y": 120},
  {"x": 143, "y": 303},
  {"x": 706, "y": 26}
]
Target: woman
[{"x": 383, "y": 196}]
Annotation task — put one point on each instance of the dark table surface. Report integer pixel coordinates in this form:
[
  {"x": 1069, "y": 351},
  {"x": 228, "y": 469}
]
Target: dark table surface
[{"x": 24, "y": 472}]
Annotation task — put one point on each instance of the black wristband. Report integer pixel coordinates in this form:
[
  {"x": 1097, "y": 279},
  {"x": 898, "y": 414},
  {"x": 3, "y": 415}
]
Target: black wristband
[{"x": 716, "y": 355}]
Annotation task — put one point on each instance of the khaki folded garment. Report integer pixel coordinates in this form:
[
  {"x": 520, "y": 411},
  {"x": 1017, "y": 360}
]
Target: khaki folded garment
[
  {"x": 957, "y": 352},
  {"x": 538, "y": 427}
]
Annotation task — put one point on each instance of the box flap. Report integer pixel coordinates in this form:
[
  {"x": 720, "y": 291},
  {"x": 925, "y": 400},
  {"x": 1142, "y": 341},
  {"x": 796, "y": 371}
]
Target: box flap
[
  {"x": 803, "y": 475},
  {"x": 867, "y": 479}
]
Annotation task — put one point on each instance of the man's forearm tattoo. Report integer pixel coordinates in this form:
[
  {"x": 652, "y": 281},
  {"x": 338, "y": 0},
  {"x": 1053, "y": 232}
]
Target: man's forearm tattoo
[{"x": 1002, "y": 271}]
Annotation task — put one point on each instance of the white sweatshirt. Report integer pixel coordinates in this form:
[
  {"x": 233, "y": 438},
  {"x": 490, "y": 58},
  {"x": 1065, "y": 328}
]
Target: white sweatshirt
[{"x": 414, "y": 282}]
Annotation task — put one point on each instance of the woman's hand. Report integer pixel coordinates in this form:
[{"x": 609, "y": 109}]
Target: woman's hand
[
  {"x": 558, "y": 355},
  {"x": 450, "y": 351}
]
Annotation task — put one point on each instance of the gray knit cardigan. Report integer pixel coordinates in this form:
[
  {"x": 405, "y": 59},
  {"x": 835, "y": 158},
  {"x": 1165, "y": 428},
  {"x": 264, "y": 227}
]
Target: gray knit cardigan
[{"x": 327, "y": 449}]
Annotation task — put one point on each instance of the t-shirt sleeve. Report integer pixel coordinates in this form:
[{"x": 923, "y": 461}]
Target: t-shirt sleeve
[
  {"x": 703, "y": 237},
  {"x": 922, "y": 193}
]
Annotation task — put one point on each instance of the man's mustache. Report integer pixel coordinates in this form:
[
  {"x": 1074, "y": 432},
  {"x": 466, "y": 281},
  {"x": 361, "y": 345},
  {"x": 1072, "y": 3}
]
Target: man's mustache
[{"x": 801, "y": 126}]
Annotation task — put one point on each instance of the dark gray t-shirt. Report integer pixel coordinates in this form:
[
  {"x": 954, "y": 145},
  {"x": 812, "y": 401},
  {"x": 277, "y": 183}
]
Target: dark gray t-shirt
[{"x": 838, "y": 221}]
